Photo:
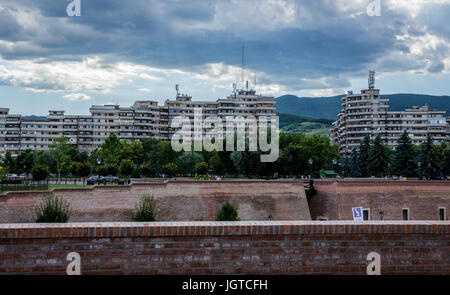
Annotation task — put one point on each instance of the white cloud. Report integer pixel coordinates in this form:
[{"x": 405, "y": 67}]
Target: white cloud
[
  {"x": 77, "y": 97},
  {"x": 144, "y": 90}
]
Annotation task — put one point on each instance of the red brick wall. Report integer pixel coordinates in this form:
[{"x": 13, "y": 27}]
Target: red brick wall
[
  {"x": 226, "y": 248},
  {"x": 335, "y": 199},
  {"x": 176, "y": 200}
]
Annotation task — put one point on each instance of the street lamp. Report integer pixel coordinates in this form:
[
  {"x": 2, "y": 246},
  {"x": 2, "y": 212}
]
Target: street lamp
[
  {"x": 310, "y": 161},
  {"x": 429, "y": 171},
  {"x": 420, "y": 172}
]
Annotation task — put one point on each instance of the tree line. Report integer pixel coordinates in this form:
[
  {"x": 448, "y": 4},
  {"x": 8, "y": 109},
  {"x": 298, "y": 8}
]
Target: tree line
[
  {"x": 154, "y": 158},
  {"x": 373, "y": 158},
  {"x": 299, "y": 155}
]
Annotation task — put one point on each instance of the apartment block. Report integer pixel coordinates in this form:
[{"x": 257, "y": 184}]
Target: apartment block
[
  {"x": 367, "y": 114},
  {"x": 143, "y": 119}
]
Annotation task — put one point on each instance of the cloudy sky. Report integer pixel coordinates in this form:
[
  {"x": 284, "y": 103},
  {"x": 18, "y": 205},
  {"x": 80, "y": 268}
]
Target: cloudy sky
[{"x": 120, "y": 51}]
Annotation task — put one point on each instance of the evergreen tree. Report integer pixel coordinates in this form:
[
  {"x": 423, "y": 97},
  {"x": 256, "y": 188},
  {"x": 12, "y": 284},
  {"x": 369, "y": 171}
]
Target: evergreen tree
[
  {"x": 364, "y": 153},
  {"x": 430, "y": 159},
  {"x": 378, "y": 159},
  {"x": 352, "y": 167},
  {"x": 405, "y": 157}
]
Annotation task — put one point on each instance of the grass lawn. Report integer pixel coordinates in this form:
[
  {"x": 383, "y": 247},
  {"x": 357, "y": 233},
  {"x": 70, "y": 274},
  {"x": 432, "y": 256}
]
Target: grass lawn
[{"x": 62, "y": 185}]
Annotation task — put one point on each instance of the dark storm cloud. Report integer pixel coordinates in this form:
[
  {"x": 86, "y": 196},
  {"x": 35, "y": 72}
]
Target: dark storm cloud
[{"x": 320, "y": 41}]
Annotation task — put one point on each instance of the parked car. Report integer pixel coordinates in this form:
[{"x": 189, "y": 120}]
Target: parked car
[
  {"x": 110, "y": 179},
  {"x": 15, "y": 179},
  {"x": 94, "y": 179}
]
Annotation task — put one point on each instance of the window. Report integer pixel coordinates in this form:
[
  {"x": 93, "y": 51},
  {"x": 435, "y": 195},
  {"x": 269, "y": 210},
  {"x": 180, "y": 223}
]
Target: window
[
  {"x": 366, "y": 214},
  {"x": 405, "y": 212},
  {"x": 442, "y": 213}
]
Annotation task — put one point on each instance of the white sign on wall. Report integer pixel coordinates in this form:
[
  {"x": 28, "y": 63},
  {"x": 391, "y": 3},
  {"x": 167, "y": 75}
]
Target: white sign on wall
[{"x": 357, "y": 213}]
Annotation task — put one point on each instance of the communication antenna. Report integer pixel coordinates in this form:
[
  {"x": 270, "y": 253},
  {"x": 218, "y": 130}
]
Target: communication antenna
[
  {"x": 177, "y": 88},
  {"x": 234, "y": 87},
  {"x": 243, "y": 65},
  {"x": 246, "y": 85},
  {"x": 371, "y": 79}
]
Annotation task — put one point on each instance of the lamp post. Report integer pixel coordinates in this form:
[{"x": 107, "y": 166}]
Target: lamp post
[
  {"x": 420, "y": 172},
  {"x": 310, "y": 161},
  {"x": 429, "y": 171}
]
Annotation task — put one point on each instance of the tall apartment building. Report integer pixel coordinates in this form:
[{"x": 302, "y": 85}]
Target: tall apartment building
[
  {"x": 367, "y": 114},
  {"x": 142, "y": 120}
]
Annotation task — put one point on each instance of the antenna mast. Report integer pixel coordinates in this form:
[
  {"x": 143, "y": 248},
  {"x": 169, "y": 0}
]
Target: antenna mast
[
  {"x": 243, "y": 54},
  {"x": 371, "y": 79}
]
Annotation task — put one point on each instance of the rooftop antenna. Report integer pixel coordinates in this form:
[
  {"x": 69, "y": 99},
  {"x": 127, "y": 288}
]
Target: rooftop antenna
[
  {"x": 255, "y": 82},
  {"x": 234, "y": 87},
  {"x": 246, "y": 85},
  {"x": 243, "y": 55},
  {"x": 371, "y": 79},
  {"x": 177, "y": 88}
]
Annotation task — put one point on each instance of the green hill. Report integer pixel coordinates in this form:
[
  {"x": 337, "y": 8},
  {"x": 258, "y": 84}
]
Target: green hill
[
  {"x": 329, "y": 107},
  {"x": 303, "y": 124}
]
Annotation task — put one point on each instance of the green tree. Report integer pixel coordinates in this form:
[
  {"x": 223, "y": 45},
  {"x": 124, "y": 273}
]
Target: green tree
[
  {"x": 404, "y": 162},
  {"x": 148, "y": 170},
  {"x": 102, "y": 170},
  {"x": 61, "y": 151},
  {"x": 84, "y": 169},
  {"x": 112, "y": 169},
  {"x": 444, "y": 148},
  {"x": 186, "y": 162},
  {"x": 170, "y": 169},
  {"x": 378, "y": 158},
  {"x": 364, "y": 155},
  {"x": 430, "y": 159},
  {"x": 39, "y": 172},
  {"x": 24, "y": 161},
  {"x": 132, "y": 151},
  {"x": 351, "y": 165},
  {"x": 227, "y": 213},
  {"x": 126, "y": 167},
  {"x": 201, "y": 168},
  {"x": 9, "y": 163},
  {"x": 110, "y": 151}
]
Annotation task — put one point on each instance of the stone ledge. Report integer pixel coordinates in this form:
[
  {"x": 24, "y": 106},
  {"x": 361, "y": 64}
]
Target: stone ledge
[{"x": 241, "y": 228}]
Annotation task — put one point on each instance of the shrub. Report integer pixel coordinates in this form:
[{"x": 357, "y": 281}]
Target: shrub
[
  {"x": 201, "y": 168},
  {"x": 227, "y": 213},
  {"x": 207, "y": 177},
  {"x": 147, "y": 170},
  {"x": 136, "y": 172},
  {"x": 145, "y": 211},
  {"x": 126, "y": 167},
  {"x": 170, "y": 169},
  {"x": 197, "y": 177},
  {"x": 52, "y": 209},
  {"x": 84, "y": 169},
  {"x": 111, "y": 169},
  {"x": 101, "y": 170},
  {"x": 39, "y": 172}
]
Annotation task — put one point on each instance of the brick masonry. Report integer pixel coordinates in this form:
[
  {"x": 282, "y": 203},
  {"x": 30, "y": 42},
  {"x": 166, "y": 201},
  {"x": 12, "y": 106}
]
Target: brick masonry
[
  {"x": 176, "y": 200},
  {"x": 334, "y": 199},
  {"x": 289, "y": 247}
]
